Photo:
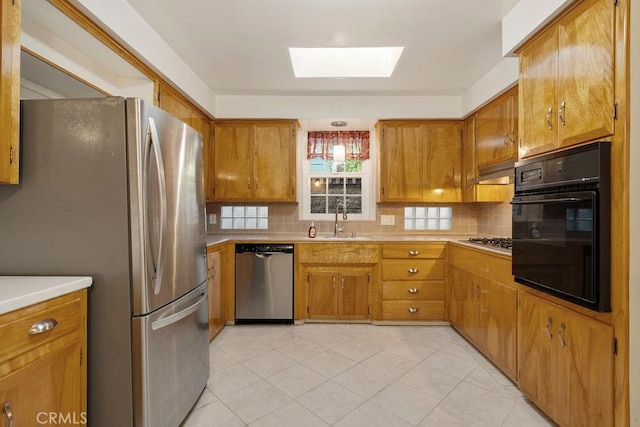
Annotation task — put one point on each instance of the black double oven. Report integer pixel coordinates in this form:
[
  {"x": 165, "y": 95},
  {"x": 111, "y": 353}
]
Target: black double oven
[{"x": 561, "y": 225}]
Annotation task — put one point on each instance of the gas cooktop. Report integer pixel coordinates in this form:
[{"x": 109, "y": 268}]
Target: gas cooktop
[{"x": 502, "y": 243}]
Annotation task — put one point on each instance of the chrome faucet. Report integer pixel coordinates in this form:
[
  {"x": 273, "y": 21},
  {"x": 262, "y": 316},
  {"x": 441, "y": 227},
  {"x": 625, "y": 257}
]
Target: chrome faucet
[{"x": 336, "y": 229}]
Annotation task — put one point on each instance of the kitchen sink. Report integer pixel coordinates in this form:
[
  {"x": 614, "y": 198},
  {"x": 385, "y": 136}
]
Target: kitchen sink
[{"x": 349, "y": 238}]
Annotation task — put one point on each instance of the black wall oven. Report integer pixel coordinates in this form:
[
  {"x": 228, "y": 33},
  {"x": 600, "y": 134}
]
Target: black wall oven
[{"x": 561, "y": 225}]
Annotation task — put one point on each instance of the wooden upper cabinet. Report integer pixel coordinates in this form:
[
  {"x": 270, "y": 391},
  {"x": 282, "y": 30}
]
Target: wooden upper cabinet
[
  {"x": 443, "y": 166},
  {"x": 567, "y": 81},
  {"x": 497, "y": 130},
  {"x": 472, "y": 192},
  {"x": 420, "y": 161},
  {"x": 9, "y": 91},
  {"x": 255, "y": 161},
  {"x": 178, "y": 106},
  {"x": 400, "y": 158}
]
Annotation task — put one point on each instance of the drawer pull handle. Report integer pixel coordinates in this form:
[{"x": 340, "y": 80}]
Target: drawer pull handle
[
  {"x": 413, "y": 290},
  {"x": 413, "y": 270},
  {"x": 7, "y": 411},
  {"x": 414, "y": 253},
  {"x": 413, "y": 309},
  {"x": 43, "y": 326}
]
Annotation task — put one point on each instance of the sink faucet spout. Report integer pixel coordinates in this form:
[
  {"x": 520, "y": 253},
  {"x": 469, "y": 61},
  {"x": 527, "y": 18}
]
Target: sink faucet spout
[{"x": 337, "y": 229}]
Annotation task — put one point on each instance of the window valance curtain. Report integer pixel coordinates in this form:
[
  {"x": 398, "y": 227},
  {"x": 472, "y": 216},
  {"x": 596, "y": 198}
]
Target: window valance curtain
[{"x": 356, "y": 142}]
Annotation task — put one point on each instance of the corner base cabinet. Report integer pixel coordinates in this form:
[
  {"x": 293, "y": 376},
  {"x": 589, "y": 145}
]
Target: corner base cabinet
[
  {"x": 43, "y": 376},
  {"x": 565, "y": 362}
]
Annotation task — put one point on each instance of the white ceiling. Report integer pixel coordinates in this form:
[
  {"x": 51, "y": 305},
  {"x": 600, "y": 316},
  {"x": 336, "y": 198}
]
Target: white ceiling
[{"x": 240, "y": 47}]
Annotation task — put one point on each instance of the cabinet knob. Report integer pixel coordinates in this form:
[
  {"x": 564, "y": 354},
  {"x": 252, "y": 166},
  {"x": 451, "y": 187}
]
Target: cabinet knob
[
  {"x": 7, "y": 411},
  {"x": 413, "y": 290},
  {"x": 413, "y": 309},
  {"x": 42, "y": 326},
  {"x": 413, "y": 270},
  {"x": 414, "y": 253}
]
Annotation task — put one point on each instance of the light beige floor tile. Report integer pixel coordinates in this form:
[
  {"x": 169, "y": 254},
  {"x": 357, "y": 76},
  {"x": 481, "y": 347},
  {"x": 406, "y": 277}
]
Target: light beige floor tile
[
  {"x": 296, "y": 380},
  {"x": 390, "y": 364},
  {"x": 205, "y": 398},
  {"x": 213, "y": 415},
  {"x": 450, "y": 364},
  {"x": 255, "y": 401},
  {"x": 445, "y": 415},
  {"x": 356, "y": 350},
  {"x": 435, "y": 337},
  {"x": 301, "y": 349},
  {"x": 526, "y": 414},
  {"x": 269, "y": 363},
  {"x": 245, "y": 348},
  {"x": 329, "y": 363},
  {"x": 231, "y": 380},
  {"x": 219, "y": 360},
  {"x": 330, "y": 401},
  {"x": 291, "y": 414},
  {"x": 491, "y": 407},
  {"x": 276, "y": 338},
  {"x": 483, "y": 379},
  {"x": 370, "y": 415},
  {"x": 405, "y": 402},
  {"x": 429, "y": 381},
  {"x": 363, "y": 381},
  {"x": 412, "y": 350}
]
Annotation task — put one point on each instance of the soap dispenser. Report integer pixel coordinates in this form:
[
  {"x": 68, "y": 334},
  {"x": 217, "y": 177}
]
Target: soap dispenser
[{"x": 312, "y": 230}]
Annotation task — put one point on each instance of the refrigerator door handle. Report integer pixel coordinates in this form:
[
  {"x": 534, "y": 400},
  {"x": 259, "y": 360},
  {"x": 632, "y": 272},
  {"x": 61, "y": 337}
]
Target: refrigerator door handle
[
  {"x": 166, "y": 321},
  {"x": 153, "y": 144}
]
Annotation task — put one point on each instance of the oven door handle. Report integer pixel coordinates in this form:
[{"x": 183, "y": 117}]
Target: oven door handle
[{"x": 547, "y": 201}]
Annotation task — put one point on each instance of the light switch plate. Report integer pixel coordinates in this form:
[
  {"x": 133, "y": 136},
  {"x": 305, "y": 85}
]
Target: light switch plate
[
  {"x": 213, "y": 219},
  {"x": 387, "y": 219}
]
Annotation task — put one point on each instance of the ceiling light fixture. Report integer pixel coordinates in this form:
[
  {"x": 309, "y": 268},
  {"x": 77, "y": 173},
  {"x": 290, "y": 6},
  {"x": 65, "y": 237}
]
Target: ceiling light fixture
[
  {"x": 339, "y": 152},
  {"x": 344, "y": 61}
]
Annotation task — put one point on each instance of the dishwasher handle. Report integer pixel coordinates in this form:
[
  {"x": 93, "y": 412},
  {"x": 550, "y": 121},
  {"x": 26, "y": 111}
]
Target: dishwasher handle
[{"x": 263, "y": 255}]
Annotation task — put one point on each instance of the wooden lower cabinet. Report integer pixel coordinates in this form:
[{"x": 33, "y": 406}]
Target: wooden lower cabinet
[
  {"x": 483, "y": 305},
  {"x": 565, "y": 362},
  {"x": 43, "y": 377},
  {"x": 217, "y": 257},
  {"x": 413, "y": 281},
  {"x": 340, "y": 293}
]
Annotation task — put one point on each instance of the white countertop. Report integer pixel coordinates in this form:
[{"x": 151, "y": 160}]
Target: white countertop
[{"x": 21, "y": 291}]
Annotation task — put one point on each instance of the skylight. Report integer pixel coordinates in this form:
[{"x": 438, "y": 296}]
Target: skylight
[{"x": 344, "y": 61}]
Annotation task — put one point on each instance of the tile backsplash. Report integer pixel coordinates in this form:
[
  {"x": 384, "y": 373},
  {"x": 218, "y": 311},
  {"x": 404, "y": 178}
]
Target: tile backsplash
[{"x": 482, "y": 219}]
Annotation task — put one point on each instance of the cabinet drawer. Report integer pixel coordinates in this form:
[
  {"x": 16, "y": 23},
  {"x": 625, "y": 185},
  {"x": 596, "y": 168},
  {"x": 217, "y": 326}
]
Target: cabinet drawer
[
  {"x": 413, "y": 310},
  {"x": 407, "y": 290},
  {"x": 411, "y": 251},
  {"x": 14, "y": 326},
  {"x": 420, "y": 269}
]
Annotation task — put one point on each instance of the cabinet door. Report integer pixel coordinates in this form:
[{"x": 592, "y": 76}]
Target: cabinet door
[
  {"x": 217, "y": 307},
  {"x": 354, "y": 296},
  {"x": 586, "y": 74},
  {"x": 9, "y": 91},
  {"x": 274, "y": 162},
  {"x": 322, "y": 302},
  {"x": 463, "y": 312},
  {"x": 401, "y": 162},
  {"x": 497, "y": 318},
  {"x": 52, "y": 386},
  {"x": 585, "y": 388},
  {"x": 538, "y": 113},
  {"x": 442, "y": 181},
  {"x": 495, "y": 131},
  {"x": 233, "y": 153},
  {"x": 538, "y": 322}
]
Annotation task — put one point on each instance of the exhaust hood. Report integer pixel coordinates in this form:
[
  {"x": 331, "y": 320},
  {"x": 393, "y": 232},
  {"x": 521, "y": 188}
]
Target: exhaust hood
[{"x": 499, "y": 173}]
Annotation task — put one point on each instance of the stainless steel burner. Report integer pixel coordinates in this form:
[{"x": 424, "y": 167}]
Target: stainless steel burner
[{"x": 495, "y": 242}]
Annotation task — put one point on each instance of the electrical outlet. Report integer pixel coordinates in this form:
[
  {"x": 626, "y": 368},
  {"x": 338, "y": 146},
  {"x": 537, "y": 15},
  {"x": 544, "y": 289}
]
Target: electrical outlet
[
  {"x": 387, "y": 219},
  {"x": 213, "y": 219}
]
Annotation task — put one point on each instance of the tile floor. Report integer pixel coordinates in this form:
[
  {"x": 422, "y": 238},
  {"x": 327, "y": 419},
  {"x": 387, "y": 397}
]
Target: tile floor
[{"x": 355, "y": 375}]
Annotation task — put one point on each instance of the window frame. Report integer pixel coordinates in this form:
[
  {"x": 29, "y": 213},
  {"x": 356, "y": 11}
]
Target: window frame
[{"x": 304, "y": 183}]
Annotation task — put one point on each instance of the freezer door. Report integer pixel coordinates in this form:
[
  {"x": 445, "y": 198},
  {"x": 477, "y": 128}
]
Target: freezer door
[
  {"x": 170, "y": 360},
  {"x": 167, "y": 206}
]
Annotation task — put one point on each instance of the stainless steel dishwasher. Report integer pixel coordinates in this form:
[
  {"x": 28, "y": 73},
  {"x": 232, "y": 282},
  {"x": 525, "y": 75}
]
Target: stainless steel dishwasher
[{"x": 264, "y": 283}]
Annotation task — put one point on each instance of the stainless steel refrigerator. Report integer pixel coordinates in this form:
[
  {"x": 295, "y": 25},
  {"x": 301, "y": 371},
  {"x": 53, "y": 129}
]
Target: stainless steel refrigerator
[{"x": 112, "y": 188}]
